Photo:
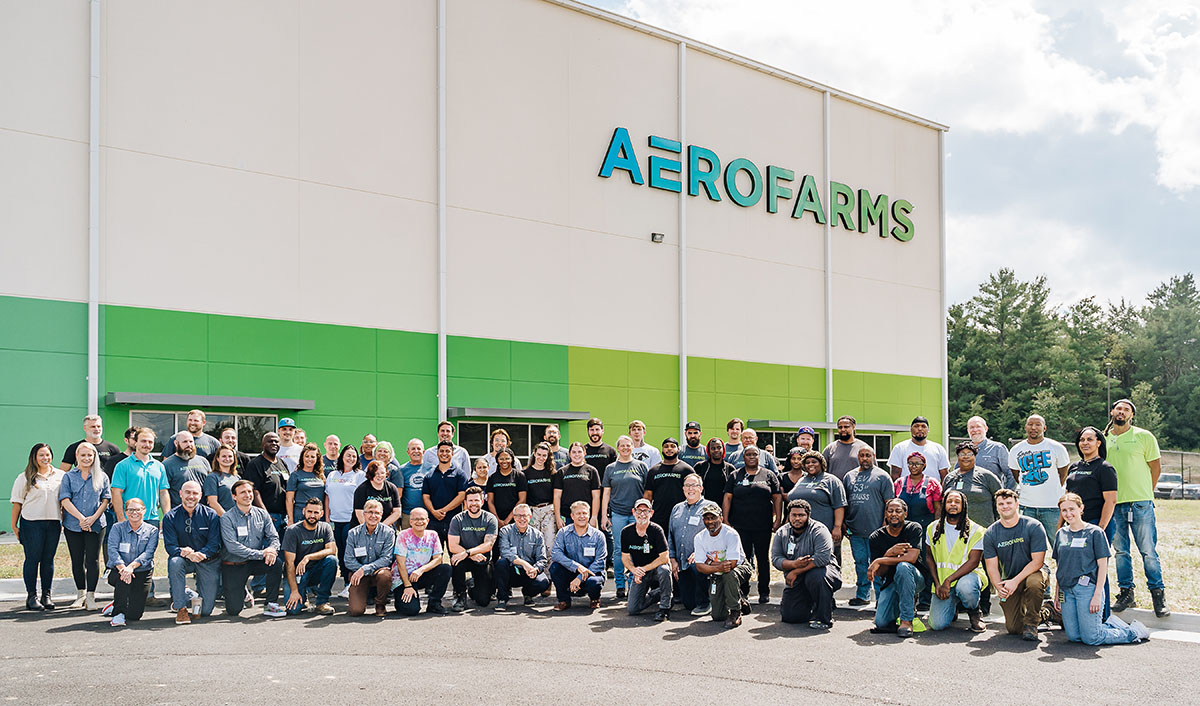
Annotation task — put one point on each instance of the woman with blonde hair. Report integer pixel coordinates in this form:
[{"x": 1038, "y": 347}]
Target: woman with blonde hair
[
  {"x": 37, "y": 521},
  {"x": 84, "y": 495}
]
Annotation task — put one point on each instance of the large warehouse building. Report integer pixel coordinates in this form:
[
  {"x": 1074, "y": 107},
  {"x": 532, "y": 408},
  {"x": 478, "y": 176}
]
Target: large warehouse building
[{"x": 369, "y": 216}]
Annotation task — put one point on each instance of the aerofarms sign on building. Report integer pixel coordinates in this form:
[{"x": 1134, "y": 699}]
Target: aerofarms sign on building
[{"x": 852, "y": 209}]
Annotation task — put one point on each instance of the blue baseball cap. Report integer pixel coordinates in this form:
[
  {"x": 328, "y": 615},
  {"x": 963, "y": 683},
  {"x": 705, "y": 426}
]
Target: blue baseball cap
[
  {"x": 805, "y": 430},
  {"x": 287, "y": 422}
]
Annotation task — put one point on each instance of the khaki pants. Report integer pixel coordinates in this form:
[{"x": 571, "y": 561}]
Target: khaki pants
[
  {"x": 1023, "y": 608},
  {"x": 544, "y": 521},
  {"x": 380, "y": 580}
]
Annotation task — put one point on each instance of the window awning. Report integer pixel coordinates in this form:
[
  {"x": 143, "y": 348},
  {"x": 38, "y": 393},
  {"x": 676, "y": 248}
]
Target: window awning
[
  {"x": 554, "y": 415},
  {"x": 206, "y": 401}
]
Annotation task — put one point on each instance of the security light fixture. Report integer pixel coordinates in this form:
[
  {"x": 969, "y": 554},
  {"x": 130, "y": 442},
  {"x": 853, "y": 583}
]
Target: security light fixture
[{"x": 657, "y": 237}]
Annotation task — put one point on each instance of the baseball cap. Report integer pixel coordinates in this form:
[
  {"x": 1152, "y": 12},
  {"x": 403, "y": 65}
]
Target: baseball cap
[
  {"x": 642, "y": 501},
  {"x": 692, "y": 425},
  {"x": 806, "y": 430},
  {"x": 670, "y": 440},
  {"x": 710, "y": 508},
  {"x": 287, "y": 422}
]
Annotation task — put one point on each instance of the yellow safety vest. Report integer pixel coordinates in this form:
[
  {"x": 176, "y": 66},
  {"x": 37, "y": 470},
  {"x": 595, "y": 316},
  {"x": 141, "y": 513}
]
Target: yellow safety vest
[{"x": 948, "y": 559}]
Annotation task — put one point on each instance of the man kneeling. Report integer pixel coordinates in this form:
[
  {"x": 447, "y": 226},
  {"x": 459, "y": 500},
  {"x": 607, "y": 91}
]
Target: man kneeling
[
  {"x": 803, "y": 551},
  {"x": 369, "y": 551},
  {"x": 719, "y": 556},
  {"x": 955, "y": 560},
  {"x": 522, "y": 559},
  {"x": 645, "y": 556},
  {"x": 310, "y": 560},
  {"x": 419, "y": 567},
  {"x": 250, "y": 547},
  {"x": 578, "y": 555}
]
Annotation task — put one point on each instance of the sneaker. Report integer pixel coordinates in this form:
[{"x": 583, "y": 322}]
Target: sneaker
[
  {"x": 857, "y": 602},
  {"x": 436, "y": 608},
  {"x": 501, "y": 606},
  {"x": 459, "y": 605},
  {"x": 820, "y": 625},
  {"x": 528, "y": 601},
  {"x": 324, "y": 609},
  {"x": 89, "y": 602},
  {"x": 701, "y": 610},
  {"x": 1030, "y": 634},
  {"x": 182, "y": 617},
  {"x": 118, "y": 620},
  {"x": 273, "y": 610},
  {"x": 662, "y": 615},
  {"x": 621, "y": 593},
  {"x": 345, "y": 593},
  {"x": 108, "y": 609},
  {"x": 1140, "y": 630}
]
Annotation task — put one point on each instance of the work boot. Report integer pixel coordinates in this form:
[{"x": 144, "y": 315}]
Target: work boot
[
  {"x": 976, "y": 618},
  {"x": 733, "y": 620},
  {"x": 1159, "y": 597},
  {"x": 459, "y": 605},
  {"x": 1124, "y": 600}
]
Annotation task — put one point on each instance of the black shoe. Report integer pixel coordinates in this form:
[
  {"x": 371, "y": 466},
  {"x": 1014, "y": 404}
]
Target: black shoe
[
  {"x": 528, "y": 601},
  {"x": 46, "y": 602},
  {"x": 31, "y": 603},
  {"x": 621, "y": 594},
  {"x": 1125, "y": 600},
  {"x": 857, "y": 602},
  {"x": 1159, "y": 597},
  {"x": 661, "y": 615},
  {"x": 1030, "y": 634},
  {"x": 501, "y": 606},
  {"x": 733, "y": 620},
  {"x": 459, "y": 605},
  {"x": 436, "y": 608},
  {"x": 764, "y": 598},
  {"x": 746, "y": 607}
]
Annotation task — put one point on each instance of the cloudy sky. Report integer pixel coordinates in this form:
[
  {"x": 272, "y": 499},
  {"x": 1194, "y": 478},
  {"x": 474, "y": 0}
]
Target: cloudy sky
[{"x": 1074, "y": 143}]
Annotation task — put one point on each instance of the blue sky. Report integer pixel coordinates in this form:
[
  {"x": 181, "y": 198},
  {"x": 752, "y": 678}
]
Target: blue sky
[{"x": 1074, "y": 143}]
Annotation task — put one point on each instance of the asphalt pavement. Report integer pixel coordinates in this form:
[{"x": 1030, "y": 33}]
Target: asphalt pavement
[{"x": 538, "y": 656}]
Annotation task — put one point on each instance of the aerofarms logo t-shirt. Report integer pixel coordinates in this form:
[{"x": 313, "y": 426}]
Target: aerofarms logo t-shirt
[{"x": 1014, "y": 546}]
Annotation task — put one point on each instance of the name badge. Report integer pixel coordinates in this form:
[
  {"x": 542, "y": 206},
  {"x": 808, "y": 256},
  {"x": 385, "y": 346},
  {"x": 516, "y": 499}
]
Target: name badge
[
  {"x": 1085, "y": 580},
  {"x": 745, "y": 481},
  {"x": 714, "y": 588},
  {"x": 360, "y": 551},
  {"x": 1079, "y": 542},
  {"x": 693, "y": 520},
  {"x": 124, "y": 546},
  {"x": 243, "y": 531},
  {"x": 791, "y": 547},
  {"x": 589, "y": 551}
]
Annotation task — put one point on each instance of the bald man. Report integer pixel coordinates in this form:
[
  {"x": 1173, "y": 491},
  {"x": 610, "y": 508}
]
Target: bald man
[{"x": 192, "y": 537}]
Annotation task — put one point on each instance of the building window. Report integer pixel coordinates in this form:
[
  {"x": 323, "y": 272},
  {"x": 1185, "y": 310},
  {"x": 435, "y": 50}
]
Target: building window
[
  {"x": 882, "y": 443},
  {"x": 250, "y": 427},
  {"x": 475, "y": 437}
]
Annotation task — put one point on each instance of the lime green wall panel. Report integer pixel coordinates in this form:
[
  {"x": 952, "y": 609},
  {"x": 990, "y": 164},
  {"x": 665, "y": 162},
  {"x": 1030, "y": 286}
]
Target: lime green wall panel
[
  {"x": 238, "y": 339},
  {"x": 410, "y": 396},
  {"x": 701, "y": 375},
  {"x": 406, "y": 352},
  {"x": 154, "y": 333},
  {"x": 336, "y": 347},
  {"x": 847, "y": 387},
  {"x": 598, "y": 366},
  {"x": 654, "y": 371},
  {"x": 805, "y": 410},
  {"x": 539, "y": 362},
  {"x": 807, "y": 382}
]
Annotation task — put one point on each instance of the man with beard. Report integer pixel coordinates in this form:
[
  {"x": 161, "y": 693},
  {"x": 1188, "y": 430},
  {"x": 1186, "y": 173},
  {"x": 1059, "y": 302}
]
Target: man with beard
[
  {"x": 552, "y": 436},
  {"x": 692, "y": 453},
  {"x": 522, "y": 560},
  {"x": 868, "y": 488},
  {"x": 895, "y": 551},
  {"x": 715, "y": 471},
  {"x": 206, "y": 445},
  {"x": 954, "y": 560},
  {"x": 803, "y": 551},
  {"x": 645, "y": 557},
  {"x": 184, "y": 465},
  {"x": 989, "y": 454},
  {"x": 269, "y": 474},
  {"x": 805, "y": 438},
  {"x": 1133, "y": 451},
  {"x": 719, "y": 557},
  {"x": 841, "y": 454},
  {"x": 734, "y": 429},
  {"x": 937, "y": 463},
  {"x": 310, "y": 560},
  {"x": 596, "y": 453},
  {"x": 664, "y": 482},
  {"x": 471, "y": 536}
]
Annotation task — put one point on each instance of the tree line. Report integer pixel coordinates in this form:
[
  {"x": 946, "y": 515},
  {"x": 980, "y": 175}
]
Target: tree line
[{"x": 1011, "y": 353}]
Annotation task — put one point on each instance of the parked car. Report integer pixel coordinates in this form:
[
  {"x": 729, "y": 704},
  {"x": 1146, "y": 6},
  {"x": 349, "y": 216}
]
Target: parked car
[
  {"x": 1168, "y": 482},
  {"x": 1191, "y": 491}
]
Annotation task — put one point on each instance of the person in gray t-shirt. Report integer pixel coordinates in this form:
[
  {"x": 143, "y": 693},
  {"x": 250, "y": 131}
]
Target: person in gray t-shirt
[
  {"x": 184, "y": 465},
  {"x": 1014, "y": 552},
  {"x": 841, "y": 454},
  {"x": 471, "y": 535},
  {"x": 868, "y": 488}
]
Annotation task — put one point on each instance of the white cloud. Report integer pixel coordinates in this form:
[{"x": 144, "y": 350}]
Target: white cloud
[
  {"x": 1032, "y": 244},
  {"x": 975, "y": 65}
]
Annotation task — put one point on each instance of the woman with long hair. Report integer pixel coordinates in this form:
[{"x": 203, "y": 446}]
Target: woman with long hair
[
  {"x": 84, "y": 495},
  {"x": 218, "y": 485},
  {"x": 37, "y": 521},
  {"x": 339, "y": 504},
  {"x": 1094, "y": 479},
  {"x": 539, "y": 494},
  {"x": 307, "y": 481}
]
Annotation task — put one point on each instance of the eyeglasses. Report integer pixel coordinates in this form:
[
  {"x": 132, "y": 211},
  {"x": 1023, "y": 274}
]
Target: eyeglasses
[
  {"x": 134, "y": 511},
  {"x": 187, "y": 526}
]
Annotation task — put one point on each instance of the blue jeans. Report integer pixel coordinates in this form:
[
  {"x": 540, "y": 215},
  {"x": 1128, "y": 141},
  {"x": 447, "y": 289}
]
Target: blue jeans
[
  {"x": 208, "y": 574},
  {"x": 1145, "y": 533},
  {"x": 965, "y": 592},
  {"x": 618, "y": 523},
  {"x": 562, "y": 578},
  {"x": 898, "y": 599},
  {"x": 1082, "y": 625},
  {"x": 39, "y": 538},
  {"x": 860, "y": 549},
  {"x": 317, "y": 577}
]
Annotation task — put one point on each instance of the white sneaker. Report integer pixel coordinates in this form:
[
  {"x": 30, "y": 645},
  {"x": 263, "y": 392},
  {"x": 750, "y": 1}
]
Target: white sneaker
[
  {"x": 701, "y": 610},
  {"x": 345, "y": 593},
  {"x": 274, "y": 611},
  {"x": 79, "y": 600},
  {"x": 89, "y": 601},
  {"x": 107, "y": 610},
  {"x": 1140, "y": 630},
  {"x": 118, "y": 620}
]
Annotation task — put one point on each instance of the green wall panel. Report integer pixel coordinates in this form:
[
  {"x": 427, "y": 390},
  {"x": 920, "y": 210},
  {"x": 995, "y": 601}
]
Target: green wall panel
[
  {"x": 43, "y": 325},
  {"x": 340, "y": 392},
  {"x": 336, "y": 347},
  {"x": 238, "y": 339},
  {"x": 540, "y": 395},
  {"x": 406, "y": 352},
  {"x": 539, "y": 362},
  {"x": 701, "y": 375},
  {"x": 478, "y": 358},
  {"x": 478, "y": 392},
  {"x": 409, "y": 396},
  {"x": 43, "y": 378},
  {"x": 598, "y": 366},
  {"x": 122, "y": 374},
  {"x": 154, "y": 333},
  {"x": 244, "y": 380}
]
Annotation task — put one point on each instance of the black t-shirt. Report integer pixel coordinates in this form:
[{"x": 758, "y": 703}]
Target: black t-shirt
[
  {"x": 389, "y": 496},
  {"x": 666, "y": 482},
  {"x": 302, "y": 542},
  {"x": 643, "y": 550},
  {"x": 599, "y": 457},
  {"x": 753, "y": 502},
  {"x": 786, "y": 483},
  {"x": 539, "y": 485},
  {"x": 110, "y": 466},
  {"x": 1089, "y": 480},
  {"x": 504, "y": 491},
  {"x": 881, "y": 540},
  {"x": 576, "y": 483},
  {"x": 715, "y": 476},
  {"x": 243, "y": 462},
  {"x": 104, "y": 451},
  {"x": 270, "y": 480}
]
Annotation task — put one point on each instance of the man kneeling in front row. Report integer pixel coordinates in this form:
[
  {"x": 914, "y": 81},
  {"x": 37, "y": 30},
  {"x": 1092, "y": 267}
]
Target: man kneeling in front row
[
  {"x": 249, "y": 547},
  {"x": 522, "y": 559},
  {"x": 803, "y": 551},
  {"x": 644, "y": 555},
  {"x": 578, "y": 556},
  {"x": 310, "y": 560},
  {"x": 719, "y": 556}
]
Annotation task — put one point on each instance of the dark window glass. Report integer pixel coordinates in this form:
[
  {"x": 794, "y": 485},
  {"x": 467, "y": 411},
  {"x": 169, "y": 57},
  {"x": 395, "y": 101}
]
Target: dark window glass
[
  {"x": 251, "y": 428},
  {"x": 473, "y": 437},
  {"x": 163, "y": 424}
]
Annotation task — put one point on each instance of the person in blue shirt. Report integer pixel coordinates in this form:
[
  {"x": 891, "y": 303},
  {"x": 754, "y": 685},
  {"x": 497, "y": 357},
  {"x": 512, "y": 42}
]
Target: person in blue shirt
[
  {"x": 412, "y": 478},
  {"x": 578, "y": 559},
  {"x": 143, "y": 477},
  {"x": 131, "y": 546},
  {"x": 84, "y": 496},
  {"x": 443, "y": 490},
  {"x": 192, "y": 538}
]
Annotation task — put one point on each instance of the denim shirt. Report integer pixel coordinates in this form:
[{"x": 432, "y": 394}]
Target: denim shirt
[
  {"x": 993, "y": 456},
  {"x": 686, "y": 521},
  {"x": 569, "y": 549},
  {"x": 205, "y": 534},
  {"x": 126, "y": 546},
  {"x": 530, "y": 546},
  {"x": 370, "y": 552},
  {"x": 244, "y": 536},
  {"x": 84, "y": 498}
]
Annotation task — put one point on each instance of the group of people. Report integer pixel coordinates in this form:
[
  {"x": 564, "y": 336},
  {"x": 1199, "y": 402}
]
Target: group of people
[{"x": 686, "y": 524}]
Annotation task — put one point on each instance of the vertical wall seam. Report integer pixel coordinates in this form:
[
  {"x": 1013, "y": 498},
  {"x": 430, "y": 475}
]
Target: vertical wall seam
[
  {"x": 441, "y": 206},
  {"x": 683, "y": 310},
  {"x": 828, "y": 270},
  {"x": 93, "y": 307}
]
